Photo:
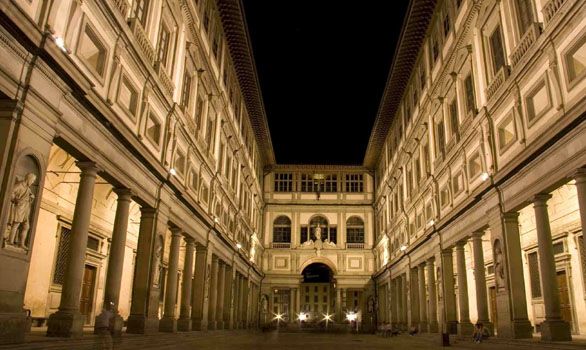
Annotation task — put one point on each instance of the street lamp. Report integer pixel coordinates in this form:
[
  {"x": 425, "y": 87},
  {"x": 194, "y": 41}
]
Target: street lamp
[{"x": 327, "y": 318}]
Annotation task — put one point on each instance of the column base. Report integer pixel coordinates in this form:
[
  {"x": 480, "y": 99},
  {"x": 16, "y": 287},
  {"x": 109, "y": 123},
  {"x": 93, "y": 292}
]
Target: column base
[
  {"x": 433, "y": 327},
  {"x": 13, "y": 326},
  {"x": 452, "y": 327},
  {"x": 465, "y": 329},
  {"x": 199, "y": 325},
  {"x": 555, "y": 330},
  {"x": 219, "y": 324},
  {"x": 116, "y": 325},
  {"x": 168, "y": 325},
  {"x": 212, "y": 325},
  {"x": 66, "y": 324},
  {"x": 184, "y": 325},
  {"x": 140, "y": 324}
]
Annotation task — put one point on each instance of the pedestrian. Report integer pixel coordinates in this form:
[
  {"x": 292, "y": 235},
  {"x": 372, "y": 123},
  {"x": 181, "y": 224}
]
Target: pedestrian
[{"x": 478, "y": 332}]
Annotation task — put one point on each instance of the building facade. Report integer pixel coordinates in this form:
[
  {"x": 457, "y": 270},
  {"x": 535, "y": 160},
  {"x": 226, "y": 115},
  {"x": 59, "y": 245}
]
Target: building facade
[
  {"x": 137, "y": 176},
  {"x": 480, "y": 188}
]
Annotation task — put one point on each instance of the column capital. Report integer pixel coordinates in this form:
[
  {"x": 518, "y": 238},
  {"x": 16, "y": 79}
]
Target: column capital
[
  {"x": 87, "y": 168},
  {"x": 477, "y": 235},
  {"x": 461, "y": 244},
  {"x": 511, "y": 216},
  {"x": 147, "y": 212},
  {"x": 124, "y": 194},
  {"x": 422, "y": 264},
  {"x": 541, "y": 199},
  {"x": 189, "y": 240},
  {"x": 431, "y": 260},
  {"x": 447, "y": 251},
  {"x": 580, "y": 175},
  {"x": 176, "y": 231}
]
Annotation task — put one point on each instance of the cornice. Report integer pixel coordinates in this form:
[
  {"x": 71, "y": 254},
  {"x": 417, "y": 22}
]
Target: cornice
[
  {"x": 410, "y": 41},
  {"x": 238, "y": 38}
]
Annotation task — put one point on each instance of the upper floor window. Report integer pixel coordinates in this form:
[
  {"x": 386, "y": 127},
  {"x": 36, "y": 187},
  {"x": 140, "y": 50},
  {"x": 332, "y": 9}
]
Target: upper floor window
[
  {"x": 282, "y": 229},
  {"x": 469, "y": 91},
  {"x": 575, "y": 61},
  {"x": 331, "y": 183},
  {"x": 354, "y": 230},
  {"x": 198, "y": 113},
  {"x": 186, "y": 91},
  {"x": 524, "y": 10},
  {"x": 454, "y": 120},
  {"x": 446, "y": 23},
  {"x": 441, "y": 138},
  {"x": 497, "y": 52},
  {"x": 140, "y": 11},
  {"x": 283, "y": 182},
  {"x": 93, "y": 53},
  {"x": 354, "y": 183},
  {"x": 164, "y": 44}
]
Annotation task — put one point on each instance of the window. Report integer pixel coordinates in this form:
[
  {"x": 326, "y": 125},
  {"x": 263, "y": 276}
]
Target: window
[
  {"x": 164, "y": 43},
  {"x": 474, "y": 165},
  {"x": 179, "y": 163},
  {"x": 186, "y": 92},
  {"x": 446, "y": 24},
  {"x": 506, "y": 133},
  {"x": 444, "y": 196},
  {"x": 205, "y": 193},
  {"x": 331, "y": 183},
  {"x": 534, "y": 275},
  {"x": 282, "y": 230},
  {"x": 454, "y": 122},
  {"x": 575, "y": 60},
  {"x": 458, "y": 183},
  {"x": 63, "y": 253},
  {"x": 127, "y": 96},
  {"x": 582, "y": 251},
  {"x": 428, "y": 211},
  {"x": 210, "y": 131},
  {"x": 304, "y": 234},
  {"x": 194, "y": 180},
  {"x": 140, "y": 11},
  {"x": 306, "y": 183},
  {"x": 497, "y": 50},
  {"x": 283, "y": 182},
  {"x": 355, "y": 230},
  {"x": 354, "y": 183},
  {"x": 323, "y": 224},
  {"x": 153, "y": 129},
  {"x": 441, "y": 138},
  {"x": 538, "y": 101},
  {"x": 434, "y": 47},
  {"x": 92, "y": 51},
  {"x": 469, "y": 90},
  {"x": 426, "y": 159},
  {"x": 198, "y": 114},
  {"x": 524, "y": 15}
]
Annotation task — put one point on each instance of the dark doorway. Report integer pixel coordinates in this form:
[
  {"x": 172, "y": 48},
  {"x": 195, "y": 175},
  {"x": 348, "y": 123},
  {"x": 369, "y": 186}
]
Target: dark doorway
[
  {"x": 565, "y": 304},
  {"x": 317, "y": 273},
  {"x": 86, "y": 300}
]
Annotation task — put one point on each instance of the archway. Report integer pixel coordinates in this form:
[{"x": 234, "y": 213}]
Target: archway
[{"x": 317, "y": 291}]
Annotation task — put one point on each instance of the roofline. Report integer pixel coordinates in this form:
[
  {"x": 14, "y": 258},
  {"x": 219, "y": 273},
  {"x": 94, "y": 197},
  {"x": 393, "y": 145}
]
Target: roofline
[
  {"x": 239, "y": 43},
  {"x": 413, "y": 33}
]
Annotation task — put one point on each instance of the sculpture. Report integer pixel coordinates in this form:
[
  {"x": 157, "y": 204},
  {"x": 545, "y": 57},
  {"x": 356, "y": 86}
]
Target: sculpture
[
  {"x": 499, "y": 267},
  {"x": 21, "y": 200},
  {"x": 158, "y": 257}
]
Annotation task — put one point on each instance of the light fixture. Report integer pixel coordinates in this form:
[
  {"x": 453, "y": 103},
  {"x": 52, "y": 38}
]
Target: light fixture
[
  {"x": 351, "y": 316},
  {"x": 173, "y": 172},
  {"x": 431, "y": 222},
  {"x": 327, "y": 317},
  {"x": 403, "y": 248},
  {"x": 216, "y": 220},
  {"x": 484, "y": 176},
  {"x": 278, "y": 317},
  {"x": 302, "y": 316},
  {"x": 238, "y": 245},
  {"x": 60, "y": 43}
]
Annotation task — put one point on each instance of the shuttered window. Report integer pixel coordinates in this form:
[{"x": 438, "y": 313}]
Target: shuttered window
[{"x": 534, "y": 275}]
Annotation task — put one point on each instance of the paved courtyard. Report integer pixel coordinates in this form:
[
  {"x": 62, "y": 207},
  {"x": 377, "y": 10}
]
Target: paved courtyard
[{"x": 242, "y": 340}]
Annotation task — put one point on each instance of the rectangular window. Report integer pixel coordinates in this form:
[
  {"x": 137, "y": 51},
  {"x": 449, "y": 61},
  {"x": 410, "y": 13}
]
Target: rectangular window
[
  {"x": 441, "y": 138},
  {"x": 92, "y": 51},
  {"x": 303, "y": 234},
  {"x": 454, "y": 121},
  {"x": 444, "y": 196},
  {"x": 474, "y": 165},
  {"x": 354, "y": 183},
  {"x": 534, "y": 275},
  {"x": 127, "y": 96},
  {"x": 497, "y": 50},
  {"x": 179, "y": 163},
  {"x": 153, "y": 129},
  {"x": 186, "y": 92},
  {"x": 194, "y": 180},
  {"x": 506, "y": 133},
  {"x": 538, "y": 101},
  {"x": 458, "y": 183},
  {"x": 198, "y": 113},
  {"x": 575, "y": 60},
  {"x": 306, "y": 183},
  {"x": 426, "y": 159},
  {"x": 164, "y": 43},
  {"x": 469, "y": 89},
  {"x": 524, "y": 15},
  {"x": 140, "y": 11},
  {"x": 331, "y": 183},
  {"x": 63, "y": 252},
  {"x": 283, "y": 182}
]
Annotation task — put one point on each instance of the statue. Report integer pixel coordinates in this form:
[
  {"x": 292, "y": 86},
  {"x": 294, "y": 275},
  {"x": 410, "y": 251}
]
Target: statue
[
  {"x": 317, "y": 233},
  {"x": 21, "y": 200},
  {"x": 158, "y": 257},
  {"x": 499, "y": 267}
]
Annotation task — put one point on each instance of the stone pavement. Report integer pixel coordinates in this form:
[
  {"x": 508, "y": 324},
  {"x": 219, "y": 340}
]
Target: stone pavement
[{"x": 243, "y": 340}]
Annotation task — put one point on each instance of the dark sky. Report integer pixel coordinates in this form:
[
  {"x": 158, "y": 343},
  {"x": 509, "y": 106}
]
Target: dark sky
[{"x": 322, "y": 67}]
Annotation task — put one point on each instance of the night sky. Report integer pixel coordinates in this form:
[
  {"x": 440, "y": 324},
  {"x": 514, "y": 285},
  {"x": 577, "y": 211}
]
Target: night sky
[{"x": 322, "y": 67}]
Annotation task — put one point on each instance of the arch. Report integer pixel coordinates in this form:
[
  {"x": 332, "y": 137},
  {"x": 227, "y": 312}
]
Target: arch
[
  {"x": 313, "y": 219},
  {"x": 282, "y": 229},
  {"x": 322, "y": 260},
  {"x": 355, "y": 230}
]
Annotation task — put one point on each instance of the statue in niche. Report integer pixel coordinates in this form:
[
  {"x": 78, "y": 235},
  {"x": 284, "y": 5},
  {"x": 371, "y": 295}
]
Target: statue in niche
[
  {"x": 158, "y": 262},
  {"x": 21, "y": 204},
  {"x": 499, "y": 266}
]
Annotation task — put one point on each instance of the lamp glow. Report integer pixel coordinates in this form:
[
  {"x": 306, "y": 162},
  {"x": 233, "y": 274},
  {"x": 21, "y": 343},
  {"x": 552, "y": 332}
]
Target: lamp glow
[
  {"x": 60, "y": 43},
  {"x": 484, "y": 176},
  {"x": 302, "y": 316},
  {"x": 238, "y": 245},
  {"x": 173, "y": 172},
  {"x": 351, "y": 316},
  {"x": 431, "y": 222},
  {"x": 403, "y": 248}
]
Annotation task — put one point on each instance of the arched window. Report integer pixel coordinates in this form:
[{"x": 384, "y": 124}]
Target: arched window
[
  {"x": 282, "y": 230},
  {"x": 327, "y": 231},
  {"x": 355, "y": 230}
]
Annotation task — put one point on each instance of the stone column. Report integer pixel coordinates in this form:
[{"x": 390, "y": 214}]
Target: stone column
[
  {"x": 404, "y": 301},
  {"x": 220, "y": 299},
  {"x": 580, "y": 178},
  {"x": 431, "y": 291},
  {"x": 339, "y": 304},
  {"x": 68, "y": 321},
  {"x": 243, "y": 303},
  {"x": 449, "y": 294},
  {"x": 227, "y": 295},
  {"x": 116, "y": 259},
  {"x": 553, "y": 328},
  {"x": 414, "y": 304},
  {"x": 464, "y": 326},
  {"x": 213, "y": 294},
  {"x": 169, "y": 322},
  {"x": 143, "y": 316},
  {"x": 293, "y": 305},
  {"x": 480, "y": 280},
  {"x": 423, "y": 326},
  {"x": 236, "y": 311},
  {"x": 199, "y": 310},
  {"x": 184, "y": 322}
]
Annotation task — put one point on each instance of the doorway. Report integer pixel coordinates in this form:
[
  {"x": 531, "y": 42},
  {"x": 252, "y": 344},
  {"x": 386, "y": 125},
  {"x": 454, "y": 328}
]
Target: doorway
[
  {"x": 86, "y": 300},
  {"x": 565, "y": 304},
  {"x": 317, "y": 291}
]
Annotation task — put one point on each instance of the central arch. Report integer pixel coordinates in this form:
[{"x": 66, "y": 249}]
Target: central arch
[
  {"x": 319, "y": 260},
  {"x": 317, "y": 289}
]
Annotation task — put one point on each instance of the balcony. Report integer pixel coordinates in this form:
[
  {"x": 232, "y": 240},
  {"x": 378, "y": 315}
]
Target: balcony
[
  {"x": 280, "y": 245},
  {"x": 165, "y": 80},
  {"x": 142, "y": 40},
  {"x": 497, "y": 81},
  {"x": 525, "y": 44},
  {"x": 354, "y": 245},
  {"x": 550, "y": 9},
  {"x": 121, "y": 6}
]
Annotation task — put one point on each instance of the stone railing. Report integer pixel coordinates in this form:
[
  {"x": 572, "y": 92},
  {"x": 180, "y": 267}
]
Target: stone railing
[
  {"x": 354, "y": 245},
  {"x": 497, "y": 81},
  {"x": 527, "y": 40},
  {"x": 165, "y": 80},
  {"x": 279, "y": 245},
  {"x": 550, "y": 9},
  {"x": 142, "y": 40},
  {"x": 121, "y": 6}
]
